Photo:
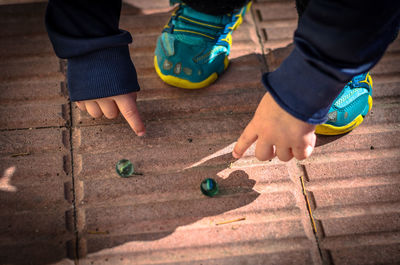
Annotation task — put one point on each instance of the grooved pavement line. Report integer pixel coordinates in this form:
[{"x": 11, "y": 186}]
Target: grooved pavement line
[{"x": 75, "y": 243}]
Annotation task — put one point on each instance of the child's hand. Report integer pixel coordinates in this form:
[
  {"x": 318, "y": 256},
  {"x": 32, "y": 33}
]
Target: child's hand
[
  {"x": 277, "y": 134},
  {"x": 111, "y": 106}
]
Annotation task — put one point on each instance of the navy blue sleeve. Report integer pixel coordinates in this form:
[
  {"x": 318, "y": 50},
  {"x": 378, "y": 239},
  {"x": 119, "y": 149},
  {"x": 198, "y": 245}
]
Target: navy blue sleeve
[
  {"x": 86, "y": 32},
  {"x": 334, "y": 41}
]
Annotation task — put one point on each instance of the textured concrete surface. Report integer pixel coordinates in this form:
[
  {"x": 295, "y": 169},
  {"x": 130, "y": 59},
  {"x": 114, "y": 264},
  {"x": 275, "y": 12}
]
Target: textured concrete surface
[
  {"x": 36, "y": 210},
  {"x": 61, "y": 201},
  {"x": 354, "y": 182}
]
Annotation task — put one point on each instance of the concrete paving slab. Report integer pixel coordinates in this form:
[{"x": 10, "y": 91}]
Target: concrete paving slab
[
  {"x": 35, "y": 196},
  {"x": 276, "y": 22},
  {"x": 353, "y": 182},
  {"x": 36, "y": 191}
]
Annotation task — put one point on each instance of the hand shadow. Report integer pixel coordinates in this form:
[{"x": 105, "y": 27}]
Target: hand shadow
[{"x": 156, "y": 220}]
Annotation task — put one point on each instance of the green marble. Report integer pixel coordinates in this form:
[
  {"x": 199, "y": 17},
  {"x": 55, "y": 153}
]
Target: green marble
[
  {"x": 125, "y": 168},
  {"x": 209, "y": 187}
]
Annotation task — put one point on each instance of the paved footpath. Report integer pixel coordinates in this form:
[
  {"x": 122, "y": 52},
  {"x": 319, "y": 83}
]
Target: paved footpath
[{"x": 61, "y": 201}]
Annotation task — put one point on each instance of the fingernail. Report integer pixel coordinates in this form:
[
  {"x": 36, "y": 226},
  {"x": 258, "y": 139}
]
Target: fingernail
[
  {"x": 309, "y": 150},
  {"x": 141, "y": 134},
  {"x": 235, "y": 155}
]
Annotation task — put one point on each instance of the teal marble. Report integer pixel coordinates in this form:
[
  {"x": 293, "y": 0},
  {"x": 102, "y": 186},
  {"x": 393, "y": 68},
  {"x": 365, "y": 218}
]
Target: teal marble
[
  {"x": 125, "y": 168},
  {"x": 209, "y": 187}
]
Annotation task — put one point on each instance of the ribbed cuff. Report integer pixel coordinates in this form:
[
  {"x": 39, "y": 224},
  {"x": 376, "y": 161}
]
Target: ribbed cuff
[
  {"x": 302, "y": 90},
  {"x": 103, "y": 73}
]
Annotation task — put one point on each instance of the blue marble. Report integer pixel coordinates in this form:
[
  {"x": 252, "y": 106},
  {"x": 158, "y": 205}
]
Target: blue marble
[{"x": 209, "y": 187}]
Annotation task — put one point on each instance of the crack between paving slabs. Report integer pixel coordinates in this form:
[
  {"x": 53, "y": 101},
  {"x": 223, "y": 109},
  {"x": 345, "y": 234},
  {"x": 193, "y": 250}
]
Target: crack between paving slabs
[
  {"x": 76, "y": 232},
  {"x": 257, "y": 29},
  {"x": 310, "y": 213},
  {"x": 69, "y": 126}
]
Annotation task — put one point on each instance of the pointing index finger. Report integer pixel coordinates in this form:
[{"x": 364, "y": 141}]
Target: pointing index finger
[
  {"x": 127, "y": 105},
  {"x": 247, "y": 138}
]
